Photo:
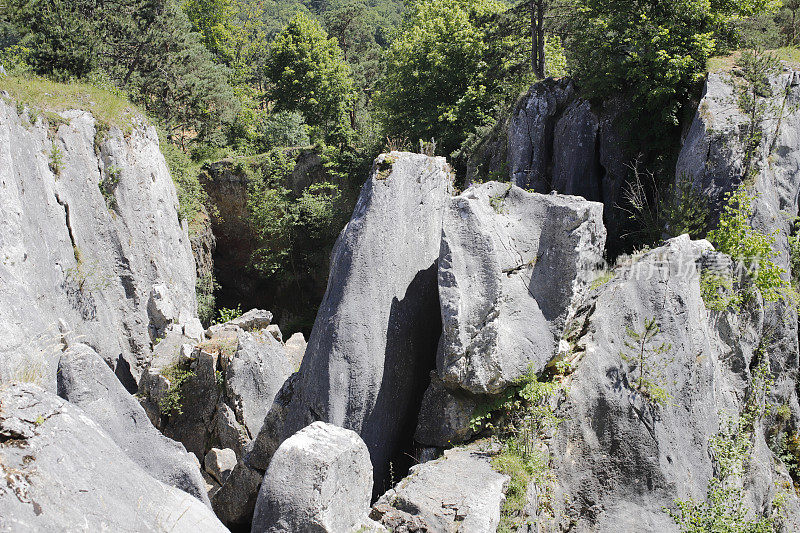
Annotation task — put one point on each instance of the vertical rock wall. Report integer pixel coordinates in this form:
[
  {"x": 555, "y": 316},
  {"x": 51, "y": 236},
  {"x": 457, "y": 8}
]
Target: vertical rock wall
[{"x": 88, "y": 227}]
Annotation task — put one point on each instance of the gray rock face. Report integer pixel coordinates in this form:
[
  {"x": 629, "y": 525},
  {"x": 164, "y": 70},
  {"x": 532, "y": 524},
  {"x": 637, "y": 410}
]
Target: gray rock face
[
  {"x": 375, "y": 335},
  {"x": 296, "y": 348},
  {"x": 576, "y": 168},
  {"x": 457, "y": 493},
  {"x": 254, "y": 375},
  {"x": 445, "y": 415},
  {"x": 713, "y": 158},
  {"x": 555, "y": 141},
  {"x": 64, "y": 471},
  {"x": 530, "y": 134},
  {"x": 235, "y": 500},
  {"x": 319, "y": 480},
  {"x": 618, "y": 458},
  {"x": 86, "y": 381},
  {"x": 511, "y": 263},
  {"x": 65, "y": 254},
  {"x": 232, "y": 381}
]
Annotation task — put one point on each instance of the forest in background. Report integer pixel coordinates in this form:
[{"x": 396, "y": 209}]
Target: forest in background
[{"x": 254, "y": 80}]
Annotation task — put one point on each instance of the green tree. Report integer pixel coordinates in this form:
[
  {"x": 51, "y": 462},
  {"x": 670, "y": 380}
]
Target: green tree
[
  {"x": 443, "y": 74},
  {"x": 308, "y": 74},
  {"x": 736, "y": 237},
  {"x": 212, "y": 19},
  {"x": 152, "y": 52},
  {"x": 654, "y": 51},
  {"x": 62, "y": 35},
  {"x": 147, "y": 47}
]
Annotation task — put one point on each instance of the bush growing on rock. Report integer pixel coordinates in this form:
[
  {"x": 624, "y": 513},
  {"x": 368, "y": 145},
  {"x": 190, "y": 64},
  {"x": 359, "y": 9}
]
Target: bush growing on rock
[{"x": 737, "y": 238}]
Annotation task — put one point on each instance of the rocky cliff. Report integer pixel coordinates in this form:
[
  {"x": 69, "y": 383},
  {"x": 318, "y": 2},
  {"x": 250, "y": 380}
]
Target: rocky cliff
[
  {"x": 475, "y": 365},
  {"x": 90, "y": 243}
]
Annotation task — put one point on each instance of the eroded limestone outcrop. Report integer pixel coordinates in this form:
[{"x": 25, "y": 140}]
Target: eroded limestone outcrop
[
  {"x": 458, "y": 492},
  {"x": 620, "y": 456},
  {"x": 373, "y": 343},
  {"x": 510, "y": 265},
  {"x": 214, "y": 395},
  {"x": 88, "y": 227},
  {"x": 63, "y": 470},
  {"x": 716, "y": 160},
  {"x": 86, "y": 381}
]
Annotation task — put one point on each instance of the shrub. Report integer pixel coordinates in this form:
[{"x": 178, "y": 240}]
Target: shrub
[
  {"x": 520, "y": 416},
  {"x": 56, "y": 159},
  {"x": 108, "y": 186},
  {"x": 718, "y": 292},
  {"x": 206, "y": 301},
  {"x": 734, "y": 236},
  {"x": 665, "y": 211},
  {"x": 226, "y": 314},
  {"x": 177, "y": 375},
  {"x": 645, "y": 357},
  {"x": 184, "y": 172}
]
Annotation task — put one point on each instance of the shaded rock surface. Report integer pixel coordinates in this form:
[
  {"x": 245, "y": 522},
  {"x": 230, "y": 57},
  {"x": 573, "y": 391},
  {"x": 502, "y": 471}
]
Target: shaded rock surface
[
  {"x": 459, "y": 492},
  {"x": 373, "y": 343},
  {"x": 86, "y": 381},
  {"x": 63, "y": 469},
  {"x": 554, "y": 141},
  {"x": 226, "y": 184},
  {"x": 68, "y": 253},
  {"x": 225, "y": 387},
  {"x": 319, "y": 480}
]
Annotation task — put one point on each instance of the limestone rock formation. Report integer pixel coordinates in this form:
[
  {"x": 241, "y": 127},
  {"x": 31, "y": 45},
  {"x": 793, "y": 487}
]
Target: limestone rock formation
[
  {"x": 373, "y": 343},
  {"x": 86, "y": 381},
  {"x": 224, "y": 387},
  {"x": 716, "y": 160},
  {"x": 620, "y": 457},
  {"x": 320, "y": 479},
  {"x": 459, "y": 492},
  {"x": 530, "y": 134},
  {"x": 510, "y": 265},
  {"x": 84, "y": 242},
  {"x": 554, "y": 140},
  {"x": 63, "y": 470}
]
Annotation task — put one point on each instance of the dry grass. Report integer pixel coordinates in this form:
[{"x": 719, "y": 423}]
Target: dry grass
[
  {"x": 789, "y": 54},
  {"x": 47, "y": 95}
]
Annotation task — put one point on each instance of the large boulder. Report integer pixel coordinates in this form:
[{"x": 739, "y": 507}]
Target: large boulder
[
  {"x": 374, "y": 339},
  {"x": 85, "y": 380},
  {"x": 511, "y": 263},
  {"x": 459, "y": 492},
  {"x": 319, "y": 480},
  {"x": 621, "y": 456},
  {"x": 64, "y": 472}
]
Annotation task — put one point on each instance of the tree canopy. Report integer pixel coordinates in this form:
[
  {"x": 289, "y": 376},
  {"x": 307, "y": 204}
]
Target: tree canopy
[{"x": 307, "y": 73}]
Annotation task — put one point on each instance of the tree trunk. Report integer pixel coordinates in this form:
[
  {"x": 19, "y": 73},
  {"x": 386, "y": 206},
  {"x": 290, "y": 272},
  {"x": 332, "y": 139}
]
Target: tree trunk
[
  {"x": 537, "y": 8},
  {"x": 540, "y": 37}
]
